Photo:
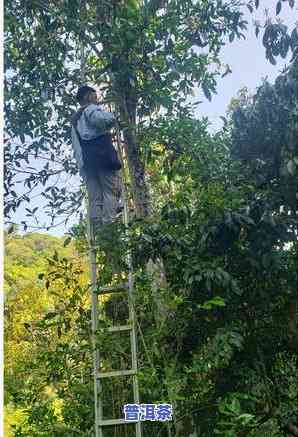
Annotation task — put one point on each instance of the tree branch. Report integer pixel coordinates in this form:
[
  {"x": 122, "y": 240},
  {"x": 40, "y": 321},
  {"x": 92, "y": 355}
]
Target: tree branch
[{"x": 293, "y": 429}]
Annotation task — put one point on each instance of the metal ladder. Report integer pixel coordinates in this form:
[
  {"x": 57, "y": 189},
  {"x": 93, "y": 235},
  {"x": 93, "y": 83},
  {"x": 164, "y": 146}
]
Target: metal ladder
[{"x": 96, "y": 291}]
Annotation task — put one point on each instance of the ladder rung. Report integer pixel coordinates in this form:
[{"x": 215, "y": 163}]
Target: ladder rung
[
  {"x": 119, "y": 328},
  {"x": 112, "y": 288},
  {"x": 109, "y": 422},
  {"x": 116, "y": 373}
]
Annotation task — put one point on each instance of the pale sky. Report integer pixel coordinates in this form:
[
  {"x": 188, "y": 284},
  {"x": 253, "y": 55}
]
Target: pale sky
[{"x": 249, "y": 65}]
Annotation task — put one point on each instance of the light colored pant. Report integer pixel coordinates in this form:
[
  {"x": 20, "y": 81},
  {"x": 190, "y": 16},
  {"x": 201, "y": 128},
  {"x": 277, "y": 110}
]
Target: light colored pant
[{"x": 104, "y": 194}]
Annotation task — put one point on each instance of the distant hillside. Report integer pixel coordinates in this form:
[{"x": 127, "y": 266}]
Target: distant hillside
[{"x": 27, "y": 300}]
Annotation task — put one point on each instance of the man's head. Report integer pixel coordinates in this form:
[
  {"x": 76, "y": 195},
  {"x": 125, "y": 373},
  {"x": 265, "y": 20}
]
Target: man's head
[{"x": 86, "y": 95}]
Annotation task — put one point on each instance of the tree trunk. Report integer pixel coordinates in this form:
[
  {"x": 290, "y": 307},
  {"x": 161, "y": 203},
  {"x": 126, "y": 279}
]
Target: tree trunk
[{"x": 137, "y": 174}]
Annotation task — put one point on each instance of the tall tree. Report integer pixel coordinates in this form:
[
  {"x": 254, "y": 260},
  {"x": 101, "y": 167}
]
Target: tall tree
[{"x": 146, "y": 57}]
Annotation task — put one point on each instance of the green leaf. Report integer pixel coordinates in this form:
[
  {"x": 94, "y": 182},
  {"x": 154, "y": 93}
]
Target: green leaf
[
  {"x": 11, "y": 229},
  {"x": 271, "y": 59},
  {"x": 67, "y": 241},
  {"x": 278, "y": 7},
  {"x": 216, "y": 301},
  {"x": 147, "y": 238},
  {"x": 245, "y": 418},
  {"x": 206, "y": 92},
  {"x": 291, "y": 167},
  {"x": 235, "y": 406}
]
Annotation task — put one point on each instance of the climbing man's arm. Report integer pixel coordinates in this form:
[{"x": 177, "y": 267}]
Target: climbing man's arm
[{"x": 100, "y": 119}]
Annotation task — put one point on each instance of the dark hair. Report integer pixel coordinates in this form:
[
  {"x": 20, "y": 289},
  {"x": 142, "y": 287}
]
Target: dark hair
[{"x": 83, "y": 91}]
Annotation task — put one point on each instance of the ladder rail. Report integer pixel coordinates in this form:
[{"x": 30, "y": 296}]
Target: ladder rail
[
  {"x": 133, "y": 334},
  {"x": 94, "y": 321}
]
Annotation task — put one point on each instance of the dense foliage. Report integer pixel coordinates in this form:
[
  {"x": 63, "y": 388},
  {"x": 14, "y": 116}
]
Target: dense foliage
[
  {"x": 146, "y": 58},
  {"x": 29, "y": 340},
  {"x": 225, "y": 351}
]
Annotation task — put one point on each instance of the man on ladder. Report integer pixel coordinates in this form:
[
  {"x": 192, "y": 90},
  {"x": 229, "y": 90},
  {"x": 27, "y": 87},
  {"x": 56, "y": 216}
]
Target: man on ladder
[
  {"x": 99, "y": 165},
  {"x": 96, "y": 157}
]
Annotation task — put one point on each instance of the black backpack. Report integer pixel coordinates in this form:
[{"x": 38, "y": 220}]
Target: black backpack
[{"x": 98, "y": 153}]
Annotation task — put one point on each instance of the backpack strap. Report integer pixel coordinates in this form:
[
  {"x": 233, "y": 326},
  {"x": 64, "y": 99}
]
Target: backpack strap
[{"x": 75, "y": 119}]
